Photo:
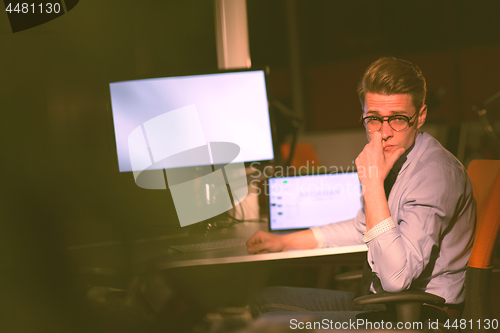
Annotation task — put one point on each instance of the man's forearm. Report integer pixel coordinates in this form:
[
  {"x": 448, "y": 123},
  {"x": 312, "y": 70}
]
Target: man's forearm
[
  {"x": 376, "y": 207},
  {"x": 300, "y": 240}
]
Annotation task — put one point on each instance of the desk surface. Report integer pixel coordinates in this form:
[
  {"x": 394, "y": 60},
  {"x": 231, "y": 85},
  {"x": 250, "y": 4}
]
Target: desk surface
[{"x": 175, "y": 259}]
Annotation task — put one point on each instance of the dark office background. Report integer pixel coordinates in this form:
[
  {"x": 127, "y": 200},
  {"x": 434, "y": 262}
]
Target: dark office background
[{"x": 61, "y": 186}]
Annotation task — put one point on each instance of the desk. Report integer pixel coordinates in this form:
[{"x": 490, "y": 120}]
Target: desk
[
  {"x": 174, "y": 259},
  {"x": 152, "y": 252},
  {"x": 218, "y": 278},
  {"x": 208, "y": 279}
]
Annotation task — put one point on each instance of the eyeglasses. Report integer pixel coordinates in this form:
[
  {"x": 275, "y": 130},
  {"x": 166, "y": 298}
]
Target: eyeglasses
[{"x": 397, "y": 122}]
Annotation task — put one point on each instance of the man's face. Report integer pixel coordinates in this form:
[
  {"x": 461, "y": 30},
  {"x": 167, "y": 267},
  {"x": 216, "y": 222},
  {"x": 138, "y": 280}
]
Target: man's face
[{"x": 385, "y": 106}]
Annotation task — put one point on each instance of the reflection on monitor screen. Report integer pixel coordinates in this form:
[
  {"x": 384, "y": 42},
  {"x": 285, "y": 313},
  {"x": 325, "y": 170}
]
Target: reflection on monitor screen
[{"x": 156, "y": 119}]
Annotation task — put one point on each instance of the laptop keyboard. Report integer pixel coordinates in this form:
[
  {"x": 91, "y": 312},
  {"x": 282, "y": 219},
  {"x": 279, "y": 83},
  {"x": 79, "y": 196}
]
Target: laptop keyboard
[{"x": 214, "y": 245}]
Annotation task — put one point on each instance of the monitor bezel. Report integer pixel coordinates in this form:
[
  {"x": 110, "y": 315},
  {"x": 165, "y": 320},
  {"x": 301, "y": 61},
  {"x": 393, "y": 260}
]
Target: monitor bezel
[{"x": 266, "y": 71}]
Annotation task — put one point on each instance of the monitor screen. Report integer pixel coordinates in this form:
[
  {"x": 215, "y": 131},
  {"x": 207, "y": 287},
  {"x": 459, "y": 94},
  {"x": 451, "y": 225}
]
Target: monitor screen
[
  {"x": 162, "y": 117},
  {"x": 308, "y": 201}
]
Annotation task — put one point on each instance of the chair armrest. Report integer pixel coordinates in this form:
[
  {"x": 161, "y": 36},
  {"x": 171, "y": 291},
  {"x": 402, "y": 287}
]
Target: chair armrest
[
  {"x": 404, "y": 296},
  {"x": 408, "y": 303},
  {"x": 349, "y": 276}
]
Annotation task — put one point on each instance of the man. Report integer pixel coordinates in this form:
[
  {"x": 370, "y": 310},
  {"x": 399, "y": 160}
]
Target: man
[{"x": 418, "y": 212}]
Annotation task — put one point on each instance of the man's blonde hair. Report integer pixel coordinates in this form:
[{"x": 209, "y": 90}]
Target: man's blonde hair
[{"x": 391, "y": 76}]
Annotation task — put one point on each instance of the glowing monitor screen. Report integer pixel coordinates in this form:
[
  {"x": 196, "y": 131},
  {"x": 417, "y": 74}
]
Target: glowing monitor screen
[
  {"x": 158, "y": 118},
  {"x": 314, "y": 200}
]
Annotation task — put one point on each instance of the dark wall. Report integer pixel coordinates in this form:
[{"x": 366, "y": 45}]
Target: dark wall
[
  {"x": 60, "y": 181},
  {"x": 455, "y": 43},
  {"x": 55, "y": 96}
]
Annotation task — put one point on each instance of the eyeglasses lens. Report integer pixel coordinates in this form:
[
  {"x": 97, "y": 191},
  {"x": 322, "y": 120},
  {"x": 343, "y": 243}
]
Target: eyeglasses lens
[{"x": 397, "y": 124}]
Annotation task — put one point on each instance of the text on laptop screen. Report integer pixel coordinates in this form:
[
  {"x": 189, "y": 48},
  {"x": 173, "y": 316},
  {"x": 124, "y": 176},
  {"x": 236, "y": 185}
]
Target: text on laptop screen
[{"x": 313, "y": 200}]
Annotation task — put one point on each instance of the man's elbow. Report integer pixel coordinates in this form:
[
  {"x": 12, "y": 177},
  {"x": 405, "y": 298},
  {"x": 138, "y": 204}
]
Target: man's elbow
[
  {"x": 394, "y": 288},
  {"x": 395, "y": 285}
]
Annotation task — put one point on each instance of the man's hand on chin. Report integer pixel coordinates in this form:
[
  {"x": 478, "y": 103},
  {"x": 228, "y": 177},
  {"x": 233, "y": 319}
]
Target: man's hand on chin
[
  {"x": 373, "y": 167},
  {"x": 373, "y": 163}
]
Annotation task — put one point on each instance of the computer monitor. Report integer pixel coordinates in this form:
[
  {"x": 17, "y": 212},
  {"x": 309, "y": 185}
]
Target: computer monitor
[
  {"x": 185, "y": 111},
  {"x": 301, "y": 202},
  {"x": 193, "y": 133}
]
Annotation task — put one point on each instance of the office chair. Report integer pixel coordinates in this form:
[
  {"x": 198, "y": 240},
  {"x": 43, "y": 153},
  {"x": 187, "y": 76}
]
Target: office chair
[{"x": 485, "y": 179}]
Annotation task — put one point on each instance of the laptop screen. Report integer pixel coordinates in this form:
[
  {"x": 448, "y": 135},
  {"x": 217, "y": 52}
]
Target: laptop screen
[{"x": 308, "y": 201}]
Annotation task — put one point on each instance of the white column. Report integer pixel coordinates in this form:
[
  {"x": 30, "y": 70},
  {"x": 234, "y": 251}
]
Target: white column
[{"x": 231, "y": 30}]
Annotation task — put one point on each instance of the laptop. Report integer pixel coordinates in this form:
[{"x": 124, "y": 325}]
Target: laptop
[{"x": 306, "y": 201}]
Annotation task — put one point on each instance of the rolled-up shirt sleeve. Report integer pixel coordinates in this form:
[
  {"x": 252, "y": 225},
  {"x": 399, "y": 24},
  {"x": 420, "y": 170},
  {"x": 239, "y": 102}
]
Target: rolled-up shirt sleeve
[
  {"x": 379, "y": 229},
  {"x": 399, "y": 255}
]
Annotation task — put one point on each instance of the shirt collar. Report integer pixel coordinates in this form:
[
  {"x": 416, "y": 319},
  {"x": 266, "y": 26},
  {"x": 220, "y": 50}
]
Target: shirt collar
[{"x": 401, "y": 160}]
